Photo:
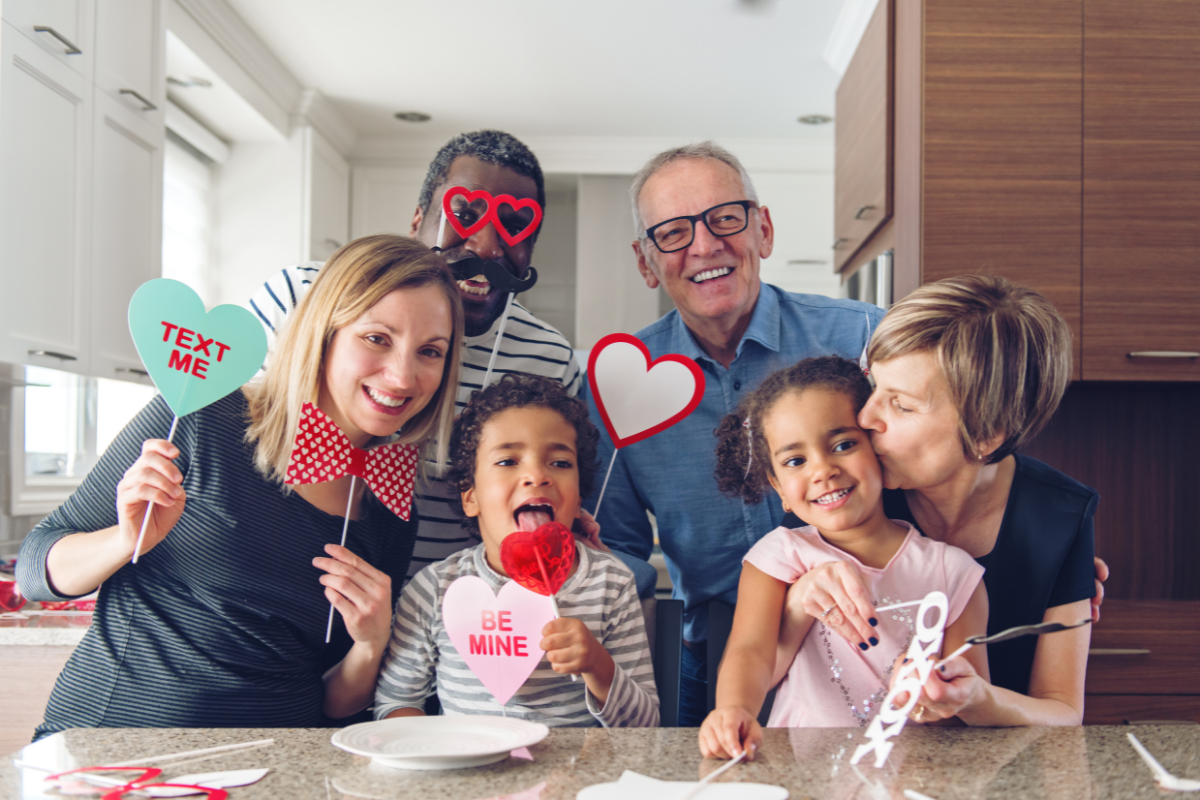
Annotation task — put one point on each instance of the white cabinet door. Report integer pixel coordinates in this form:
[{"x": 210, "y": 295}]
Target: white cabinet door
[
  {"x": 62, "y": 28},
  {"x": 45, "y": 161},
  {"x": 130, "y": 47},
  {"x": 329, "y": 193},
  {"x": 127, "y": 182}
]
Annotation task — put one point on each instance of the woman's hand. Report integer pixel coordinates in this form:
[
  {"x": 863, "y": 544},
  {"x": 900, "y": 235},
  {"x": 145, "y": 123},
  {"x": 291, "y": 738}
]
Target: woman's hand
[
  {"x": 729, "y": 730},
  {"x": 152, "y": 479},
  {"x": 836, "y": 587},
  {"x": 1101, "y": 577},
  {"x": 591, "y": 533},
  {"x": 361, "y": 594},
  {"x": 949, "y": 691}
]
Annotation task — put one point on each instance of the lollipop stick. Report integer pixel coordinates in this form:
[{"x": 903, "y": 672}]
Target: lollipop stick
[
  {"x": 345, "y": 528},
  {"x": 137, "y": 547},
  {"x": 499, "y": 338},
  {"x": 553, "y": 603},
  {"x": 604, "y": 486}
]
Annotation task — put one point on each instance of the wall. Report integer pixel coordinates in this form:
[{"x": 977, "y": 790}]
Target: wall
[{"x": 552, "y": 300}]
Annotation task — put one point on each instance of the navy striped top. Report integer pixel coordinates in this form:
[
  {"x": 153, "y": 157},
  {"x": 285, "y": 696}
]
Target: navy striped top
[{"x": 222, "y": 624}]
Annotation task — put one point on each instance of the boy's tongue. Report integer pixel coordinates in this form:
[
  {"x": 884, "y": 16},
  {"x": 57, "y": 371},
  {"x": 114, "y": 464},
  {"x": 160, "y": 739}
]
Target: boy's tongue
[{"x": 532, "y": 519}]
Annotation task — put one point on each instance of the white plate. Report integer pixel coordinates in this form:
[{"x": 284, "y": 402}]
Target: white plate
[{"x": 438, "y": 742}]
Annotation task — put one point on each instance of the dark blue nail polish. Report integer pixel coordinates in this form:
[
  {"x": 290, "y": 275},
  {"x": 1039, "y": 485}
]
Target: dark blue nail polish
[
  {"x": 906, "y": 660},
  {"x": 873, "y": 641},
  {"x": 862, "y": 645},
  {"x": 873, "y": 622},
  {"x": 942, "y": 668}
]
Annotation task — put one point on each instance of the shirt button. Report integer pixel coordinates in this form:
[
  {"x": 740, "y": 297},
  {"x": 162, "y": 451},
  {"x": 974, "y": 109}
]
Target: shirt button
[{"x": 737, "y": 385}]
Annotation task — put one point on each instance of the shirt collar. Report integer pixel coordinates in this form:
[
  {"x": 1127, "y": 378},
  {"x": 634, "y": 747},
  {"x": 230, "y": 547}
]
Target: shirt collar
[{"x": 764, "y": 328}]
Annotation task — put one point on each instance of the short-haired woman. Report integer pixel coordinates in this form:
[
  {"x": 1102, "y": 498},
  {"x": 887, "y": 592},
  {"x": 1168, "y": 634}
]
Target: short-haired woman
[
  {"x": 221, "y": 623},
  {"x": 966, "y": 371}
]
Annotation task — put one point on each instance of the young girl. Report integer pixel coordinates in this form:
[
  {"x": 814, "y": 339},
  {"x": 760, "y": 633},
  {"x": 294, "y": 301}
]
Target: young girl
[{"x": 798, "y": 434}]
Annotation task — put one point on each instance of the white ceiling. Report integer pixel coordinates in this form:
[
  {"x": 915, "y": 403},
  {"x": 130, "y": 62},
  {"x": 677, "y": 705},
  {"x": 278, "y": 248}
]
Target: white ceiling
[{"x": 620, "y": 68}]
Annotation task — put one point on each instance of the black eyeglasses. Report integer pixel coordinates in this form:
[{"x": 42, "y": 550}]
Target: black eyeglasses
[{"x": 723, "y": 220}]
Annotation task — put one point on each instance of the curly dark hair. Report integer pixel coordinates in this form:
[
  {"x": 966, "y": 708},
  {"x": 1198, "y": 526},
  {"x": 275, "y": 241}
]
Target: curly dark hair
[
  {"x": 741, "y": 432},
  {"x": 490, "y": 146},
  {"x": 516, "y": 390}
]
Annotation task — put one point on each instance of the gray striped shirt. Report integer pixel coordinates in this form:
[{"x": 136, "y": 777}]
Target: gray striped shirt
[
  {"x": 601, "y": 593},
  {"x": 529, "y": 346}
]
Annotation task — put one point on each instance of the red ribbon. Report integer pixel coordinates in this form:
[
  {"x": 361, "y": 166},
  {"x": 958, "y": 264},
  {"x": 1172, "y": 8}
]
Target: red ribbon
[{"x": 323, "y": 453}]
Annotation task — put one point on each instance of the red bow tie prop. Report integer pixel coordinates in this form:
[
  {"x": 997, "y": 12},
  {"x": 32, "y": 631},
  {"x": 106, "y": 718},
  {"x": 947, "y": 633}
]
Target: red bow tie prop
[{"x": 323, "y": 453}]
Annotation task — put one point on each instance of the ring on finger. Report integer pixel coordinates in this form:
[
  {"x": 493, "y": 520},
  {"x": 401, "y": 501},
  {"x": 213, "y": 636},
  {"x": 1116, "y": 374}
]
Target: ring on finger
[
  {"x": 827, "y": 611},
  {"x": 918, "y": 713}
]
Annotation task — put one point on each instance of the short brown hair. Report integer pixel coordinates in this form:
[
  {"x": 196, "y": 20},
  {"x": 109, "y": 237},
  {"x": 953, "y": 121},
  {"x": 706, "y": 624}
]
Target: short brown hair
[
  {"x": 1004, "y": 349},
  {"x": 516, "y": 390},
  {"x": 743, "y": 459}
]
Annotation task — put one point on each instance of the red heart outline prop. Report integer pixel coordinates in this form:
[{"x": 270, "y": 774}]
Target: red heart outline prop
[
  {"x": 528, "y": 202},
  {"x": 520, "y": 551},
  {"x": 455, "y": 191},
  {"x": 492, "y": 214},
  {"x": 624, "y": 338}
]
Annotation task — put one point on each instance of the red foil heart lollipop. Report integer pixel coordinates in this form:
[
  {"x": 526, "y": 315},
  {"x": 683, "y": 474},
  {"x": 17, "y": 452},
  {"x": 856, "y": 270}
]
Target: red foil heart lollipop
[{"x": 541, "y": 559}]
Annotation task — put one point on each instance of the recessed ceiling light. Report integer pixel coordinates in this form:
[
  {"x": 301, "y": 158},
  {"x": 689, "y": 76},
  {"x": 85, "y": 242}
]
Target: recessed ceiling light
[
  {"x": 814, "y": 119},
  {"x": 191, "y": 82},
  {"x": 412, "y": 116}
]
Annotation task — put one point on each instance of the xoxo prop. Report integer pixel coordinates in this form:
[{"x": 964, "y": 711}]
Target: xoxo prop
[
  {"x": 922, "y": 655},
  {"x": 497, "y": 635},
  {"x": 637, "y": 397},
  {"x": 322, "y": 453},
  {"x": 194, "y": 357}
]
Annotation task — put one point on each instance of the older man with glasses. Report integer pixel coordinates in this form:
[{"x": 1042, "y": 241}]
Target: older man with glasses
[{"x": 701, "y": 234}]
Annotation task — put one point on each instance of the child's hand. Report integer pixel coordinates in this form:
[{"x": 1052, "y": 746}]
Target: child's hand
[
  {"x": 727, "y": 731},
  {"x": 571, "y": 647}
]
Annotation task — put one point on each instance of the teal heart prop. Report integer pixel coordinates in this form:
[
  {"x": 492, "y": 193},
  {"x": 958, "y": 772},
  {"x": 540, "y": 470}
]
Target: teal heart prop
[{"x": 194, "y": 357}]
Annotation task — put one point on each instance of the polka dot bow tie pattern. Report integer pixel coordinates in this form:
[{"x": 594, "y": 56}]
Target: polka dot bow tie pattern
[{"x": 323, "y": 453}]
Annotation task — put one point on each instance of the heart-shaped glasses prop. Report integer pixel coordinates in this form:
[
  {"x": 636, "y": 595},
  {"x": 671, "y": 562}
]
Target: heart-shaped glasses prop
[
  {"x": 540, "y": 560},
  {"x": 195, "y": 357},
  {"x": 638, "y": 397},
  {"x": 323, "y": 453},
  {"x": 486, "y": 209}
]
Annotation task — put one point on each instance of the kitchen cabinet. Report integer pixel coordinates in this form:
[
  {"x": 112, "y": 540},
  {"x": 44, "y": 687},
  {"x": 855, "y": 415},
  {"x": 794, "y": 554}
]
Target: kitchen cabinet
[
  {"x": 1144, "y": 665},
  {"x": 1141, "y": 199},
  {"x": 80, "y": 180},
  {"x": 863, "y": 140},
  {"x": 45, "y": 161}
]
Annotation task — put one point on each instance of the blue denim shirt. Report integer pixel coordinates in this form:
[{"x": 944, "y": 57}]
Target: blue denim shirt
[{"x": 703, "y": 533}]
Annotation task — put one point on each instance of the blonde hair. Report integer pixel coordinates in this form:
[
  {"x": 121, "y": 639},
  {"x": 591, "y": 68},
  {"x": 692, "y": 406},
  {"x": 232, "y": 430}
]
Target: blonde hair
[
  {"x": 354, "y": 279},
  {"x": 1004, "y": 351}
]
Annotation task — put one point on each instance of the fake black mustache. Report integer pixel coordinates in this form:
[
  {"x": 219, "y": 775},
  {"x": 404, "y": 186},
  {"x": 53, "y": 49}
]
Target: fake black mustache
[{"x": 495, "y": 272}]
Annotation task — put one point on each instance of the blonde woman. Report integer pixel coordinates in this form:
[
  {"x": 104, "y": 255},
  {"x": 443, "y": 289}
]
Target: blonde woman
[
  {"x": 966, "y": 371},
  {"x": 222, "y": 621}
]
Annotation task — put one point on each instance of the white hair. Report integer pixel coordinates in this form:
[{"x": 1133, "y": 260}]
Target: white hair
[{"x": 706, "y": 149}]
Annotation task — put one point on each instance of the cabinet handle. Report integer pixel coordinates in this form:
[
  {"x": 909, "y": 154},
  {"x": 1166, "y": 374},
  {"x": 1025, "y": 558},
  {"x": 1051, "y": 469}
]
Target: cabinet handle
[
  {"x": 133, "y": 371},
  {"x": 1162, "y": 354},
  {"x": 52, "y": 354},
  {"x": 72, "y": 50},
  {"x": 863, "y": 210},
  {"x": 1118, "y": 651},
  {"x": 147, "y": 105},
  {"x": 838, "y": 242}
]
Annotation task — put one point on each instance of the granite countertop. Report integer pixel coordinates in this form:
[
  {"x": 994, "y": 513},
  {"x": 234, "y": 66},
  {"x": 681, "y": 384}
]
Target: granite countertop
[{"x": 942, "y": 763}]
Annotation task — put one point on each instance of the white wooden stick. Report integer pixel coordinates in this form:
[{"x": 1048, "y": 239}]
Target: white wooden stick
[
  {"x": 137, "y": 547},
  {"x": 441, "y": 229},
  {"x": 345, "y": 529},
  {"x": 899, "y": 605},
  {"x": 707, "y": 779},
  {"x": 499, "y": 338},
  {"x": 204, "y": 751},
  {"x": 604, "y": 486}
]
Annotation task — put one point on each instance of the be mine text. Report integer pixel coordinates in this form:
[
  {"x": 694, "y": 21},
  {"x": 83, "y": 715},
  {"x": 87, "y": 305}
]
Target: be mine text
[{"x": 489, "y": 644}]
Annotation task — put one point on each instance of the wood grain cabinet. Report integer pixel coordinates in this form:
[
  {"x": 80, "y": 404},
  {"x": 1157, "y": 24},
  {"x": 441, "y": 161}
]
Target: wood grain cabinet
[
  {"x": 1144, "y": 663},
  {"x": 863, "y": 140},
  {"x": 1054, "y": 144}
]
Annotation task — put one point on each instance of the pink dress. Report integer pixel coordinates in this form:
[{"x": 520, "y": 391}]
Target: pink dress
[{"x": 831, "y": 683}]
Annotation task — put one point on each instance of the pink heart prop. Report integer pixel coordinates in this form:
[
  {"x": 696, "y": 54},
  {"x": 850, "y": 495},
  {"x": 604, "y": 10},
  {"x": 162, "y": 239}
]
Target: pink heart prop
[
  {"x": 496, "y": 634},
  {"x": 637, "y": 397}
]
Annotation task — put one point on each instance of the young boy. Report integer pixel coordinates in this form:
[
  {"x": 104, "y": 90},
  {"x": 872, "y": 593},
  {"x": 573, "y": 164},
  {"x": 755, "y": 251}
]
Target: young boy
[{"x": 522, "y": 453}]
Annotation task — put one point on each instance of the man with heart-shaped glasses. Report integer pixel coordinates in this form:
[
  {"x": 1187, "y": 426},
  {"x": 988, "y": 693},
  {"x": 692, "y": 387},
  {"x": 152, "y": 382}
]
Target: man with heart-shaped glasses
[
  {"x": 701, "y": 234},
  {"x": 494, "y": 183}
]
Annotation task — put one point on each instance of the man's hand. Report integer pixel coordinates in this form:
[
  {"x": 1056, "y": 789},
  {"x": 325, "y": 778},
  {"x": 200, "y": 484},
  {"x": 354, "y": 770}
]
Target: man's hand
[
  {"x": 729, "y": 730},
  {"x": 1101, "y": 577},
  {"x": 571, "y": 648}
]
